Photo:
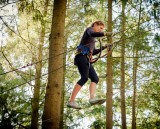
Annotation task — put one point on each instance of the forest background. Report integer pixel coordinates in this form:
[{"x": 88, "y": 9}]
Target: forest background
[{"x": 129, "y": 76}]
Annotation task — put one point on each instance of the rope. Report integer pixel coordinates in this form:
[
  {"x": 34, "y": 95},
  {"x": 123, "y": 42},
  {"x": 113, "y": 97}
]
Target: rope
[
  {"x": 32, "y": 79},
  {"x": 30, "y": 64},
  {"x": 96, "y": 59}
]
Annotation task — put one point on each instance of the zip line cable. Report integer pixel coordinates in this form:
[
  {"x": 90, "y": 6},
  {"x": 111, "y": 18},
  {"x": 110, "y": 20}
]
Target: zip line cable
[
  {"x": 33, "y": 79},
  {"x": 114, "y": 44},
  {"x": 36, "y": 78},
  {"x": 12, "y": 67},
  {"x": 30, "y": 64},
  {"x": 54, "y": 56},
  {"x": 32, "y": 44},
  {"x": 44, "y": 74},
  {"x": 18, "y": 30},
  {"x": 61, "y": 54}
]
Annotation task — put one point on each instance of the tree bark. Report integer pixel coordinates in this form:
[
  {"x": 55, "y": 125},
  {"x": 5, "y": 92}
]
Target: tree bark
[
  {"x": 122, "y": 89},
  {"x": 135, "y": 67},
  {"x": 36, "y": 94},
  {"x": 109, "y": 93},
  {"x": 63, "y": 89},
  {"x": 53, "y": 98},
  {"x": 135, "y": 63}
]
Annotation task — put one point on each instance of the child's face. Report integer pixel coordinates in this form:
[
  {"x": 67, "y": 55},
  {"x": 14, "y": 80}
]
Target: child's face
[{"x": 98, "y": 28}]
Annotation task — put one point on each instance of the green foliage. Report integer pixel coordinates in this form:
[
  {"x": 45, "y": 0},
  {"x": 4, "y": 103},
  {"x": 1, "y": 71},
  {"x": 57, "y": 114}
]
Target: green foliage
[
  {"x": 98, "y": 124},
  {"x": 27, "y": 6},
  {"x": 15, "y": 104},
  {"x": 124, "y": 2},
  {"x": 157, "y": 37},
  {"x": 31, "y": 7},
  {"x": 4, "y": 2}
]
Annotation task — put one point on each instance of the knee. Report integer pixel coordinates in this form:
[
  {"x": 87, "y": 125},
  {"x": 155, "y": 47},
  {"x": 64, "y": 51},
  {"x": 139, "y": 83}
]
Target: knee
[{"x": 82, "y": 81}]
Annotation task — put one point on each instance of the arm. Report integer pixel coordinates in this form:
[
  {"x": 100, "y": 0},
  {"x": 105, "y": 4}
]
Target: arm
[
  {"x": 96, "y": 51},
  {"x": 99, "y": 34},
  {"x": 94, "y": 34}
]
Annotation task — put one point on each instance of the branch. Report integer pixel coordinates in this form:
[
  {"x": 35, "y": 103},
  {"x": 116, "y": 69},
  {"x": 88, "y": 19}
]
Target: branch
[
  {"x": 14, "y": 69},
  {"x": 14, "y": 31},
  {"x": 7, "y": 4}
]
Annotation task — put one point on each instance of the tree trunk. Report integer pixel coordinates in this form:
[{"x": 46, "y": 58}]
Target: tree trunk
[
  {"x": 109, "y": 94},
  {"x": 135, "y": 67},
  {"x": 35, "y": 102},
  {"x": 122, "y": 89},
  {"x": 53, "y": 98},
  {"x": 135, "y": 63},
  {"x": 63, "y": 88}
]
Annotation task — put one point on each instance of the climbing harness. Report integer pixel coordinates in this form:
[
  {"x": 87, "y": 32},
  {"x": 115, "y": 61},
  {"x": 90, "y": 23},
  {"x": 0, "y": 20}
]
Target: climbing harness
[
  {"x": 108, "y": 46},
  {"x": 85, "y": 50}
]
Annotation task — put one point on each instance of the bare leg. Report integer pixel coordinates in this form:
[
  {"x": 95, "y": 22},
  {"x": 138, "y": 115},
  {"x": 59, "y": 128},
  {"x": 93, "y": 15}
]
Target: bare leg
[
  {"x": 92, "y": 89},
  {"x": 75, "y": 91},
  {"x": 93, "y": 100}
]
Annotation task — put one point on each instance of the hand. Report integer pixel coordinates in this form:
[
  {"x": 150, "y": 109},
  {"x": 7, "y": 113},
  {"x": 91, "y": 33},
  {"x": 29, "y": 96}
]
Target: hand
[
  {"x": 92, "y": 60},
  {"x": 110, "y": 34},
  {"x": 104, "y": 47},
  {"x": 113, "y": 34}
]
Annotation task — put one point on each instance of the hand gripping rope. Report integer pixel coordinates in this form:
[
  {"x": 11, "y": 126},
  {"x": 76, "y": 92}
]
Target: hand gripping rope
[{"x": 108, "y": 46}]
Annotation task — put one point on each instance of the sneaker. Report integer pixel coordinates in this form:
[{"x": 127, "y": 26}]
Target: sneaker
[
  {"x": 73, "y": 105},
  {"x": 94, "y": 101}
]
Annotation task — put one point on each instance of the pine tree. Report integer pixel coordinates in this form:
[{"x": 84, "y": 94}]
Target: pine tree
[{"x": 53, "y": 99}]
